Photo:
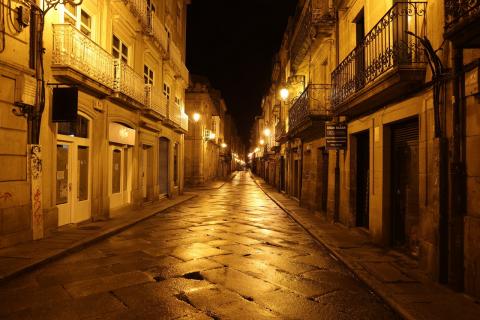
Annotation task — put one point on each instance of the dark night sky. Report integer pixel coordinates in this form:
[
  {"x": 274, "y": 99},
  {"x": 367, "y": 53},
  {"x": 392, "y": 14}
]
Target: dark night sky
[{"x": 232, "y": 42}]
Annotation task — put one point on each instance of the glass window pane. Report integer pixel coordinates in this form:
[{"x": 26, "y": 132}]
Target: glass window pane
[
  {"x": 77, "y": 128},
  {"x": 125, "y": 50},
  {"x": 86, "y": 20},
  {"x": 116, "y": 170},
  {"x": 116, "y": 42},
  {"x": 83, "y": 173},
  {"x": 62, "y": 174}
]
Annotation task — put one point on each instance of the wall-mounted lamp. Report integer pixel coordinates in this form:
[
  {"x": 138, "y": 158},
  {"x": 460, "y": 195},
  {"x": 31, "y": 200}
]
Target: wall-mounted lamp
[
  {"x": 267, "y": 132},
  {"x": 284, "y": 94},
  {"x": 223, "y": 145},
  {"x": 262, "y": 142}
]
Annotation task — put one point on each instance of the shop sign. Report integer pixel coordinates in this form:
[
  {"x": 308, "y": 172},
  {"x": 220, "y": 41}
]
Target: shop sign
[
  {"x": 121, "y": 134},
  {"x": 336, "y": 136}
]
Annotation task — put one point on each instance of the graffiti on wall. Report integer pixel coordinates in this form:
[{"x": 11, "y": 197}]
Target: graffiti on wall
[
  {"x": 36, "y": 161},
  {"x": 35, "y": 154}
]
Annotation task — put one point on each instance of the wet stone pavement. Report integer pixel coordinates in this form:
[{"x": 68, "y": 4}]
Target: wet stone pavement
[{"x": 230, "y": 253}]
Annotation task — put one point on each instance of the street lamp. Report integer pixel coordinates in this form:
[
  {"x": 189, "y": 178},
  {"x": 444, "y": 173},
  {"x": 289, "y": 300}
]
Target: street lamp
[
  {"x": 267, "y": 132},
  {"x": 284, "y": 94},
  {"x": 196, "y": 116},
  {"x": 223, "y": 145},
  {"x": 262, "y": 142}
]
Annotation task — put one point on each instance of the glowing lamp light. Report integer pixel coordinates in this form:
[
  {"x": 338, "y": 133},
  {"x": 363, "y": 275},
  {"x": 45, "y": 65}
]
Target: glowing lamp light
[
  {"x": 223, "y": 145},
  {"x": 211, "y": 136},
  {"x": 196, "y": 117},
  {"x": 284, "y": 93},
  {"x": 262, "y": 142},
  {"x": 267, "y": 132},
  {"x": 257, "y": 149}
]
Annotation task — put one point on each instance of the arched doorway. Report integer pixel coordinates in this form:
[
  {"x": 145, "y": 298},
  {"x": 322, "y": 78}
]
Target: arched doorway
[
  {"x": 73, "y": 171},
  {"x": 163, "y": 167}
]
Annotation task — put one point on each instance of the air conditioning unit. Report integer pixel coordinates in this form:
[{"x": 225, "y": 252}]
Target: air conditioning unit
[{"x": 25, "y": 90}]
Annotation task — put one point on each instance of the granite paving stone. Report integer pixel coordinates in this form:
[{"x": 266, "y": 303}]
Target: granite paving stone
[{"x": 229, "y": 253}]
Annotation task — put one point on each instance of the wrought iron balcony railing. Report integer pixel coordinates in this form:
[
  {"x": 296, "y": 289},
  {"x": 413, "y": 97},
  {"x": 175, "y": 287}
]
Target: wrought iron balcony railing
[
  {"x": 157, "y": 31},
  {"x": 128, "y": 82},
  {"x": 385, "y": 47},
  {"x": 184, "y": 121},
  {"x": 279, "y": 130},
  {"x": 459, "y": 10},
  {"x": 174, "y": 113},
  {"x": 73, "y": 49},
  {"x": 313, "y": 102},
  {"x": 139, "y": 9},
  {"x": 176, "y": 58},
  {"x": 155, "y": 101},
  {"x": 315, "y": 18}
]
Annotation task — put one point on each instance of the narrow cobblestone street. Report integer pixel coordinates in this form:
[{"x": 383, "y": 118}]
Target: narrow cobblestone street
[{"x": 230, "y": 253}]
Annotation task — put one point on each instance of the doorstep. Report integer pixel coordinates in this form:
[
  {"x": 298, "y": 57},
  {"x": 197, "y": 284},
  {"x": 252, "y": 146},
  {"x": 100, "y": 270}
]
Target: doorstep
[
  {"x": 392, "y": 275},
  {"x": 30, "y": 255}
]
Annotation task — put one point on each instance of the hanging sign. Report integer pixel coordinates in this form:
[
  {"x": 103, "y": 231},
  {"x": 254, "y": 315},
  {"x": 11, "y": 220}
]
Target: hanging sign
[{"x": 336, "y": 136}]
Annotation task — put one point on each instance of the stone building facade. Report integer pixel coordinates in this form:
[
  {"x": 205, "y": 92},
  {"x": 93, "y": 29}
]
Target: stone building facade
[
  {"x": 126, "y": 146},
  {"x": 212, "y": 145},
  {"x": 407, "y": 91}
]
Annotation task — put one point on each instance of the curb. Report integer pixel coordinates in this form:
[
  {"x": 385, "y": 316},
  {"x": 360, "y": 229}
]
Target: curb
[
  {"x": 86, "y": 242},
  {"x": 399, "y": 309}
]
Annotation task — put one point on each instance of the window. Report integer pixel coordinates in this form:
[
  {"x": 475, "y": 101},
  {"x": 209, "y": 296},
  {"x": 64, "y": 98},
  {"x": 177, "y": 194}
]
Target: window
[
  {"x": 119, "y": 49},
  {"x": 148, "y": 75},
  {"x": 166, "y": 90},
  {"x": 78, "y": 17},
  {"x": 77, "y": 128},
  {"x": 177, "y": 101}
]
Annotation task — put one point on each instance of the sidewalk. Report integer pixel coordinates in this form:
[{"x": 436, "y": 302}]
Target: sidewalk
[
  {"x": 395, "y": 277},
  {"x": 30, "y": 255}
]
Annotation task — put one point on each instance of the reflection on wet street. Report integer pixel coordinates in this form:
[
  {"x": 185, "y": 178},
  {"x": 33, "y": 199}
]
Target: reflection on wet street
[{"x": 230, "y": 253}]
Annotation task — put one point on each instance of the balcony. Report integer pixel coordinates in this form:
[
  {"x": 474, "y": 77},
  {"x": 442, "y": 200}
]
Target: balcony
[
  {"x": 184, "y": 122},
  {"x": 310, "y": 111},
  {"x": 462, "y": 22},
  {"x": 388, "y": 64},
  {"x": 176, "y": 59},
  {"x": 157, "y": 31},
  {"x": 139, "y": 10},
  {"x": 314, "y": 22},
  {"x": 174, "y": 115},
  {"x": 155, "y": 103},
  {"x": 129, "y": 86},
  {"x": 280, "y": 132},
  {"x": 78, "y": 59}
]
